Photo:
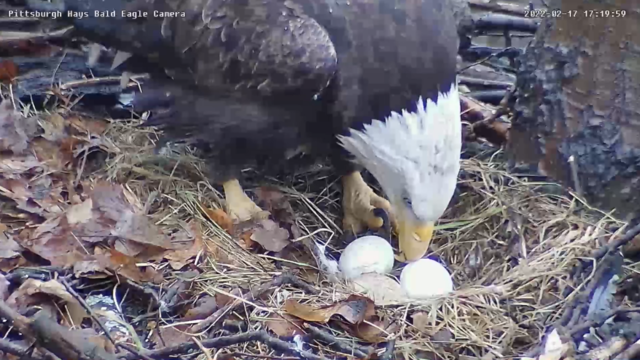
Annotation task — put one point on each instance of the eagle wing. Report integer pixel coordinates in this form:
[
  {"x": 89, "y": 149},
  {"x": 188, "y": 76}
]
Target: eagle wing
[{"x": 224, "y": 45}]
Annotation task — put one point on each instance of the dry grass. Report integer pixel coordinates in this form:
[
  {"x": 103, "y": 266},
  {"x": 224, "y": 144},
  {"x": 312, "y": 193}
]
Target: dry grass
[{"x": 510, "y": 244}]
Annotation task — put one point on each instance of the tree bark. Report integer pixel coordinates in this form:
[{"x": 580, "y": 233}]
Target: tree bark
[{"x": 577, "y": 95}]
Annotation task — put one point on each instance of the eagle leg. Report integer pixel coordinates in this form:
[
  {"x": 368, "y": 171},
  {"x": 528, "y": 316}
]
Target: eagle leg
[
  {"x": 359, "y": 203},
  {"x": 239, "y": 206}
]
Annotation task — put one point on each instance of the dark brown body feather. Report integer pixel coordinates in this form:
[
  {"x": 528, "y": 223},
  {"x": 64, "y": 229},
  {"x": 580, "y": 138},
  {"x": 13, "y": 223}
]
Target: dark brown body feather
[{"x": 254, "y": 78}]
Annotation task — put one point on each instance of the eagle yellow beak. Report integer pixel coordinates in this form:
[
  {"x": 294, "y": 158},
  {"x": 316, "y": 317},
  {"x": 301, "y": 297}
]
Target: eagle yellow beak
[{"x": 414, "y": 239}]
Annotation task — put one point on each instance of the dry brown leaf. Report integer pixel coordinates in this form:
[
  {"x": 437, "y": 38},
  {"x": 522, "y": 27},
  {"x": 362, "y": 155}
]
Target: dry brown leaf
[
  {"x": 55, "y": 241},
  {"x": 381, "y": 288},
  {"x": 8, "y": 71},
  {"x": 15, "y": 131},
  {"x": 179, "y": 258},
  {"x": 18, "y": 165},
  {"x": 284, "y": 325},
  {"x": 140, "y": 229},
  {"x": 37, "y": 196},
  {"x": 204, "y": 307},
  {"x": 224, "y": 300},
  {"x": 90, "y": 269},
  {"x": 221, "y": 218},
  {"x": 354, "y": 310},
  {"x": 373, "y": 331},
  {"x": 28, "y": 295},
  {"x": 245, "y": 240},
  {"x": 169, "y": 336},
  {"x": 125, "y": 265},
  {"x": 54, "y": 128},
  {"x": 270, "y": 236},
  {"x": 9, "y": 249},
  {"x": 89, "y": 126},
  {"x": 7, "y": 265},
  {"x": 90, "y": 335},
  {"x": 80, "y": 213},
  {"x": 110, "y": 200},
  {"x": 51, "y": 154},
  {"x": 277, "y": 203}
]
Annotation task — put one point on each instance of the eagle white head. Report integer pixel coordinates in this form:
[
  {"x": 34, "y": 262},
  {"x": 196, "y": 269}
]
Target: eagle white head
[{"x": 415, "y": 156}]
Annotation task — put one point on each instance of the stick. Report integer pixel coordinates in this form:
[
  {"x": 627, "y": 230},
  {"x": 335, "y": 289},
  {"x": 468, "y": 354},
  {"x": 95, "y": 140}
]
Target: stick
[
  {"x": 388, "y": 352},
  {"x": 224, "y": 341},
  {"x": 285, "y": 278},
  {"x": 8, "y": 347},
  {"x": 467, "y": 80},
  {"x": 10, "y": 37},
  {"x": 613, "y": 245},
  {"x": 505, "y": 22},
  {"x": 64, "y": 344},
  {"x": 337, "y": 344},
  {"x": 580, "y": 329}
]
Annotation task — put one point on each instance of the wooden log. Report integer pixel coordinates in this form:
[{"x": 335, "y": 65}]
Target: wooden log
[
  {"x": 66, "y": 70},
  {"x": 577, "y": 92}
]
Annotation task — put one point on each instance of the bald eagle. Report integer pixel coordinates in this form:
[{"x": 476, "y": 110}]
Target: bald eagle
[{"x": 369, "y": 83}]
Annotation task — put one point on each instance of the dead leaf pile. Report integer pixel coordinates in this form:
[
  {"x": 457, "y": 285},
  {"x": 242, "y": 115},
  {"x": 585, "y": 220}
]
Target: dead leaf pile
[
  {"x": 41, "y": 293},
  {"x": 95, "y": 227},
  {"x": 357, "y": 315}
]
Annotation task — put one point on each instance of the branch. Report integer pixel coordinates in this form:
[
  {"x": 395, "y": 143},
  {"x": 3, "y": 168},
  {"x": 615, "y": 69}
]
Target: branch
[
  {"x": 51, "y": 336},
  {"x": 337, "y": 344},
  {"x": 502, "y": 22},
  {"x": 225, "y": 341},
  {"x": 614, "y": 245},
  {"x": 8, "y": 347}
]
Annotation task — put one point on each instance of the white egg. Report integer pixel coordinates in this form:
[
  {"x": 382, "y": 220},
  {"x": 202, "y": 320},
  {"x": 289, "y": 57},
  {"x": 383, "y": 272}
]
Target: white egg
[
  {"x": 366, "y": 254},
  {"x": 425, "y": 278}
]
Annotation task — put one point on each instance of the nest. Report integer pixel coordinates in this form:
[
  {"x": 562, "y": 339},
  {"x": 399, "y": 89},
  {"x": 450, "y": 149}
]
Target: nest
[
  {"x": 525, "y": 256},
  {"x": 512, "y": 246}
]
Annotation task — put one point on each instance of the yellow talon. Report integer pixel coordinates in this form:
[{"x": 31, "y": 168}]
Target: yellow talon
[{"x": 239, "y": 206}]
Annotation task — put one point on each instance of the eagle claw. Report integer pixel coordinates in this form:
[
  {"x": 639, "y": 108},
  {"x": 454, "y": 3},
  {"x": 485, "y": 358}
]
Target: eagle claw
[
  {"x": 240, "y": 207},
  {"x": 361, "y": 205}
]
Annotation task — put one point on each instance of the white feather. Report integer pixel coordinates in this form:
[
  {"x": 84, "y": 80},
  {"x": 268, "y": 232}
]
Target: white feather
[{"x": 414, "y": 154}]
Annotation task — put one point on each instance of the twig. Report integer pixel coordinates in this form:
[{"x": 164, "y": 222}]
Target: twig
[
  {"x": 94, "y": 81},
  {"x": 578, "y": 331},
  {"x": 257, "y": 356},
  {"x": 8, "y": 37},
  {"x": 505, "y": 22},
  {"x": 388, "y": 352},
  {"x": 134, "y": 351},
  {"x": 574, "y": 311},
  {"x": 466, "y": 80},
  {"x": 285, "y": 278},
  {"x": 482, "y": 61},
  {"x": 20, "y": 322},
  {"x": 613, "y": 245},
  {"x": 224, "y": 341},
  {"x": 574, "y": 174},
  {"x": 337, "y": 344},
  {"x": 8, "y": 347}
]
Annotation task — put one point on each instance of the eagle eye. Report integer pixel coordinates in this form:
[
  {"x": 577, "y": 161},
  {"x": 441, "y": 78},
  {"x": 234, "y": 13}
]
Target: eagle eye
[{"x": 407, "y": 201}]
